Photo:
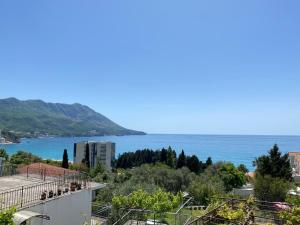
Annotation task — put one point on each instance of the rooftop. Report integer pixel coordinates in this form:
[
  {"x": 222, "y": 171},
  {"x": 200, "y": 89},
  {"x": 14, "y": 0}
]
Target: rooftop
[
  {"x": 296, "y": 155},
  {"x": 32, "y": 186},
  {"x": 46, "y": 170}
]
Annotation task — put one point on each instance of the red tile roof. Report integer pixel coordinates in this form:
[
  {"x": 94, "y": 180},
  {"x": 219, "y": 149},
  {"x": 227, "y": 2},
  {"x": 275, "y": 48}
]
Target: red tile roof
[{"x": 296, "y": 155}]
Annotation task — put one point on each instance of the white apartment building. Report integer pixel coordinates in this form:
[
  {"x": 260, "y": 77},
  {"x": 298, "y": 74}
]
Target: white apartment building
[{"x": 95, "y": 152}]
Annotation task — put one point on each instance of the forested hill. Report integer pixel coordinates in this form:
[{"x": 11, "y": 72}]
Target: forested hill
[{"x": 35, "y": 117}]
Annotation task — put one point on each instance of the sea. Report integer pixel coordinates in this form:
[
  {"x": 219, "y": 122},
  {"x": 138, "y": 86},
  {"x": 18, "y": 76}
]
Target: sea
[{"x": 234, "y": 148}]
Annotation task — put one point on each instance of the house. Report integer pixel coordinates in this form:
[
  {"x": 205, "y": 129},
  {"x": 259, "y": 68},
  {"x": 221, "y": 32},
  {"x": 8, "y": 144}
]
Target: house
[
  {"x": 48, "y": 195},
  {"x": 295, "y": 164},
  {"x": 92, "y": 153}
]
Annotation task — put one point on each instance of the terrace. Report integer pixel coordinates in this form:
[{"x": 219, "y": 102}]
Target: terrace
[{"x": 35, "y": 184}]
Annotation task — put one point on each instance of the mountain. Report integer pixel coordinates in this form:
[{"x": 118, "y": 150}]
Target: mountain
[{"x": 36, "y": 118}]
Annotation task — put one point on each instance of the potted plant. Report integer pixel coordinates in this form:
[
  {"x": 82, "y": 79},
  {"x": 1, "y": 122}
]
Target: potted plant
[
  {"x": 58, "y": 192},
  {"x": 73, "y": 186},
  {"x": 50, "y": 195},
  {"x": 66, "y": 190},
  {"x": 79, "y": 187},
  {"x": 43, "y": 195}
]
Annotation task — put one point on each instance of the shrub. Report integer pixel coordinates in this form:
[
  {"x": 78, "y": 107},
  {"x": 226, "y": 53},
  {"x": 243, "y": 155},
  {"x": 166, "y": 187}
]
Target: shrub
[{"x": 271, "y": 189}]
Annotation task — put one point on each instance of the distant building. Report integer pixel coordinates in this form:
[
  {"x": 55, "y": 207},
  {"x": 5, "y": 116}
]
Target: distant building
[
  {"x": 2, "y": 139},
  {"x": 295, "y": 164},
  {"x": 92, "y": 153}
]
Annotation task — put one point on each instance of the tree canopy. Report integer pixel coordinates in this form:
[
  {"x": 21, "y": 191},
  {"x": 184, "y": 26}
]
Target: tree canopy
[
  {"x": 231, "y": 176},
  {"x": 22, "y": 157},
  {"x": 165, "y": 156},
  {"x": 181, "y": 162},
  {"x": 159, "y": 201},
  {"x": 65, "y": 161},
  {"x": 3, "y": 154},
  {"x": 275, "y": 164}
]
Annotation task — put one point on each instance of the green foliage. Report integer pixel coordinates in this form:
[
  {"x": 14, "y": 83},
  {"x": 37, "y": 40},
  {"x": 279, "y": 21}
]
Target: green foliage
[
  {"x": 271, "y": 189},
  {"x": 160, "y": 175},
  {"x": 231, "y": 176},
  {"x": 181, "y": 162},
  {"x": 26, "y": 158},
  {"x": 274, "y": 164},
  {"x": 3, "y": 154},
  {"x": 99, "y": 169},
  {"x": 236, "y": 214},
  {"x": 243, "y": 168},
  {"x": 204, "y": 189},
  {"x": 171, "y": 157},
  {"x": 79, "y": 167},
  {"x": 6, "y": 217},
  {"x": 209, "y": 162},
  {"x": 35, "y": 117},
  {"x": 159, "y": 201},
  {"x": 194, "y": 164},
  {"x": 293, "y": 200},
  {"x": 164, "y": 156},
  {"x": 65, "y": 161},
  {"x": 291, "y": 217}
]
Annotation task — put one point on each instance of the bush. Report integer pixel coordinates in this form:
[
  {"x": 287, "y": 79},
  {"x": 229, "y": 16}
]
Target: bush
[
  {"x": 203, "y": 190},
  {"x": 270, "y": 189},
  {"x": 6, "y": 217}
]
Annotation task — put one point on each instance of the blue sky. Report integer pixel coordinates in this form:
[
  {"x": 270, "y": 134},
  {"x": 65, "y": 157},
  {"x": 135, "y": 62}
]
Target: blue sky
[{"x": 203, "y": 67}]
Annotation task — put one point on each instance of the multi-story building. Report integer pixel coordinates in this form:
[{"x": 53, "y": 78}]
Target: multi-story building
[{"x": 92, "y": 153}]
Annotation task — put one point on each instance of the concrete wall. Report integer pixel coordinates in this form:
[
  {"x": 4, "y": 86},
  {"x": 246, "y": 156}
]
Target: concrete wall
[{"x": 73, "y": 209}]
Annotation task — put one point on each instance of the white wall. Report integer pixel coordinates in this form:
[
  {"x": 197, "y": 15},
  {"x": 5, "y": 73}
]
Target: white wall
[{"x": 72, "y": 209}]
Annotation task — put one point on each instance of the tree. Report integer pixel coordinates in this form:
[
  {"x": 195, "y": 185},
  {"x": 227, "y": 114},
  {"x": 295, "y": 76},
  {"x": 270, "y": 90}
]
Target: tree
[
  {"x": 231, "y": 176},
  {"x": 267, "y": 188},
  {"x": 193, "y": 164},
  {"x": 22, "y": 157},
  {"x": 181, "y": 162},
  {"x": 208, "y": 162},
  {"x": 171, "y": 157},
  {"x": 3, "y": 154},
  {"x": 163, "y": 155},
  {"x": 87, "y": 155},
  {"x": 65, "y": 161},
  {"x": 274, "y": 164},
  {"x": 243, "y": 168}
]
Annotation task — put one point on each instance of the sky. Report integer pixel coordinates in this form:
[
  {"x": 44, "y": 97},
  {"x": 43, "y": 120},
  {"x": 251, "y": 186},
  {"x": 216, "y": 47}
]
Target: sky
[{"x": 160, "y": 66}]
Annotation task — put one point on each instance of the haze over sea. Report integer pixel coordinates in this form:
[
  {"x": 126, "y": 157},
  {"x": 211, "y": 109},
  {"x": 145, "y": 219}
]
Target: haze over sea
[{"x": 235, "y": 148}]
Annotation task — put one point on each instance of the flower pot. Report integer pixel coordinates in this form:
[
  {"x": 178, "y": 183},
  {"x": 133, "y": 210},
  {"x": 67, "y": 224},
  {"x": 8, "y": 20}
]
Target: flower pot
[
  {"x": 43, "y": 196},
  {"x": 50, "y": 194},
  {"x": 73, "y": 186}
]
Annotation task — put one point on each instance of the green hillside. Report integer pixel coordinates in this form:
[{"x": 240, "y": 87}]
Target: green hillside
[{"x": 35, "y": 118}]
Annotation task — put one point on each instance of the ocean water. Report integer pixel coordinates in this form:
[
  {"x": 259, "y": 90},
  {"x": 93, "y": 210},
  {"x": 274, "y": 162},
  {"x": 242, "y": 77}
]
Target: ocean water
[{"x": 235, "y": 148}]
